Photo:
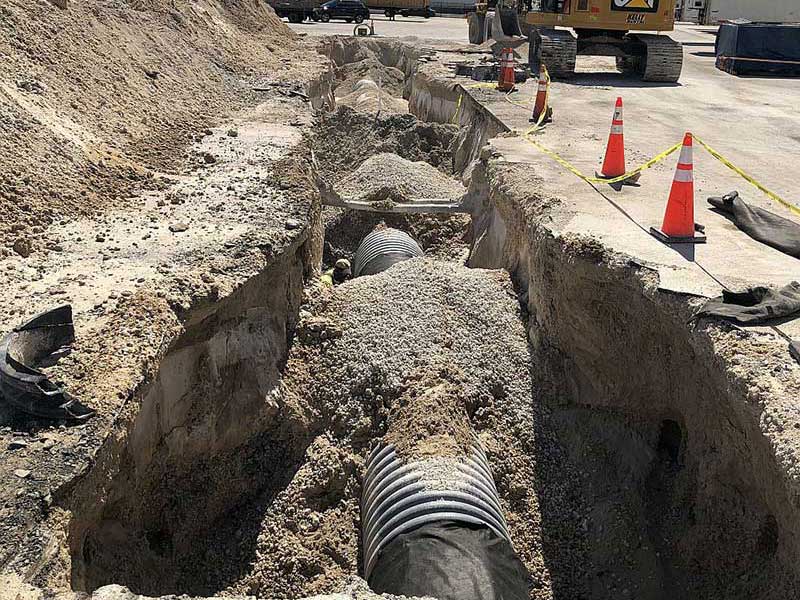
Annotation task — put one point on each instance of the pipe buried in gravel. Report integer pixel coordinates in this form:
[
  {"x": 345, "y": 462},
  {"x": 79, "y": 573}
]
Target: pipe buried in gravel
[
  {"x": 434, "y": 527},
  {"x": 383, "y": 248}
]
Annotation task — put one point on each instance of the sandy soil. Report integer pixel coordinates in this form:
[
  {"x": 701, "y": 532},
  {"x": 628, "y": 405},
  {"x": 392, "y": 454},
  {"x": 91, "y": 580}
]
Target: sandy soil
[{"x": 99, "y": 101}]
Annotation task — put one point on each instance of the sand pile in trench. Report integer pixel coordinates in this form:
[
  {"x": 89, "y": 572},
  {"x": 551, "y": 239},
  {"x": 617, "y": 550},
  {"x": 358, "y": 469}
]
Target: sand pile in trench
[
  {"x": 346, "y": 138},
  {"x": 391, "y": 177},
  {"x": 368, "y": 96}
]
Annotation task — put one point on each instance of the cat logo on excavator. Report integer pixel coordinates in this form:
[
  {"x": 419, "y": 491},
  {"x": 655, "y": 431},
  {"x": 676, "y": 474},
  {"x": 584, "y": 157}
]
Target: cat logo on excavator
[{"x": 635, "y": 5}]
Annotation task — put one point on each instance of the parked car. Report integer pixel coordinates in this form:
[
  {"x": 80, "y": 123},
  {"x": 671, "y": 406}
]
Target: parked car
[
  {"x": 296, "y": 11},
  {"x": 425, "y": 11},
  {"x": 347, "y": 10}
]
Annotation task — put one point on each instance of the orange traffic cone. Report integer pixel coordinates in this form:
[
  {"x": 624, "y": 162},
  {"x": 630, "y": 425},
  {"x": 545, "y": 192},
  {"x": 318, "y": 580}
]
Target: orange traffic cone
[
  {"x": 541, "y": 106},
  {"x": 506, "y": 80},
  {"x": 614, "y": 162},
  {"x": 679, "y": 225}
]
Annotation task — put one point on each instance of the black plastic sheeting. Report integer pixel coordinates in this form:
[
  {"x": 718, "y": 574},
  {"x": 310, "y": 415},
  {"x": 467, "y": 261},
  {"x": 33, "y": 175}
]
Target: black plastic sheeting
[
  {"x": 451, "y": 561},
  {"x": 29, "y": 390},
  {"x": 754, "y": 48},
  {"x": 760, "y": 224},
  {"x": 754, "y": 305}
]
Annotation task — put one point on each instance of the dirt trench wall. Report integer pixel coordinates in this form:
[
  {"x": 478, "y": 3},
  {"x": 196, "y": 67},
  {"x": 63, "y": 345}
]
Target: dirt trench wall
[
  {"x": 435, "y": 99},
  {"x": 205, "y": 438},
  {"x": 687, "y": 497}
]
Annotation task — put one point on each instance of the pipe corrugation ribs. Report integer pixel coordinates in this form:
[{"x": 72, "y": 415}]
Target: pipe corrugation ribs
[
  {"x": 399, "y": 497},
  {"x": 383, "y": 248}
]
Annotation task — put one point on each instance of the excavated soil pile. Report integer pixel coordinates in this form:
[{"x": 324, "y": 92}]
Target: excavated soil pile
[
  {"x": 367, "y": 96},
  {"x": 390, "y": 177},
  {"x": 97, "y": 98},
  {"x": 346, "y": 138}
]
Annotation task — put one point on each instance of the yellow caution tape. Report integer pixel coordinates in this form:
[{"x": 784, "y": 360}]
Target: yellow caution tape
[
  {"x": 748, "y": 178},
  {"x": 572, "y": 169},
  {"x": 656, "y": 159},
  {"x": 458, "y": 108}
]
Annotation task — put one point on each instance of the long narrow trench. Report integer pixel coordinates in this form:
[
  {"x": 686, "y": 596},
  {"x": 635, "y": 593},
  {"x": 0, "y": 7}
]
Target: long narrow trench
[{"x": 284, "y": 396}]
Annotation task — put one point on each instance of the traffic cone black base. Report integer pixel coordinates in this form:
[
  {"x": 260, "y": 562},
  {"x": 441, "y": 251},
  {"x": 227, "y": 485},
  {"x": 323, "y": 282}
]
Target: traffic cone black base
[
  {"x": 632, "y": 180},
  {"x": 548, "y": 117},
  {"x": 697, "y": 238}
]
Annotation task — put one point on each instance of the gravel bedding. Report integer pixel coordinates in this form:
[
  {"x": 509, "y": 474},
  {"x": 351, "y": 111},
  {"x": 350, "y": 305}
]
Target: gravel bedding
[{"x": 388, "y": 176}]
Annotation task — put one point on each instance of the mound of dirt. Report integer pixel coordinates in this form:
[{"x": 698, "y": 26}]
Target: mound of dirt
[
  {"x": 390, "y": 177},
  {"x": 346, "y": 138},
  {"x": 95, "y": 99},
  {"x": 392, "y": 79},
  {"x": 367, "y": 96}
]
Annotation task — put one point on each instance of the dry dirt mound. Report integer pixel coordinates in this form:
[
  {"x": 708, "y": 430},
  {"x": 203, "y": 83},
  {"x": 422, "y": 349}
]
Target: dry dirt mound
[
  {"x": 96, "y": 97},
  {"x": 346, "y": 138},
  {"x": 390, "y": 177},
  {"x": 367, "y": 96}
]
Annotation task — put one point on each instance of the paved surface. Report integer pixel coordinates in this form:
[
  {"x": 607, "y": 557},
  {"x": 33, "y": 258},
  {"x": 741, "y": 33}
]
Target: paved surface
[
  {"x": 440, "y": 28},
  {"x": 754, "y": 122}
]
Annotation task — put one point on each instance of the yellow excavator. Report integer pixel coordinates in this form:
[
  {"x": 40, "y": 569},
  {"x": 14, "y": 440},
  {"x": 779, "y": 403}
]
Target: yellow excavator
[{"x": 595, "y": 28}]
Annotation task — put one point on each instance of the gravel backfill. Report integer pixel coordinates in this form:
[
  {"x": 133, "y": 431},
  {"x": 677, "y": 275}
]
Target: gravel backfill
[{"x": 391, "y": 177}]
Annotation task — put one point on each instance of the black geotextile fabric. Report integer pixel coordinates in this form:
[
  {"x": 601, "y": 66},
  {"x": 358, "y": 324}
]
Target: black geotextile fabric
[
  {"x": 774, "y": 47},
  {"x": 760, "y": 224},
  {"x": 450, "y": 561},
  {"x": 754, "y": 305}
]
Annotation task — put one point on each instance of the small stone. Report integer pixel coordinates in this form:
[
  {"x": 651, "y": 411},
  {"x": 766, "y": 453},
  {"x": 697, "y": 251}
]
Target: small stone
[
  {"x": 209, "y": 158},
  {"x": 233, "y": 133},
  {"x": 99, "y": 238},
  {"x": 23, "y": 247},
  {"x": 17, "y": 444},
  {"x": 22, "y": 473},
  {"x": 292, "y": 224},
  {"x": 207, "y": 278},
  {"x": 178, "y": 227}
]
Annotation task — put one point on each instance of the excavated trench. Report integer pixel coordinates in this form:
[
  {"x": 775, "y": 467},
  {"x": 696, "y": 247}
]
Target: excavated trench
[{"x": 241, "y": 471}]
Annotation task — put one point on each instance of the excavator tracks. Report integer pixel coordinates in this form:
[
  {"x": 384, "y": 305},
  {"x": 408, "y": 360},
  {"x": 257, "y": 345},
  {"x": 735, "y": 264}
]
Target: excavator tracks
[
  {"x": 559, "y": 49},
  {"x": 663, "y": 59}
]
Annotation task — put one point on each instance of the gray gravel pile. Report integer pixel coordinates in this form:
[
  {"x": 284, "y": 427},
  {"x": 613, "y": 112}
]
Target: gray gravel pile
[
  {"x": 390, "y": 177},
  {"x": 345, "y": 138},
  {"x": 365, "y": 351},
  {"x": 421, "y": 316},
  {"x": 366, "y": 96}
]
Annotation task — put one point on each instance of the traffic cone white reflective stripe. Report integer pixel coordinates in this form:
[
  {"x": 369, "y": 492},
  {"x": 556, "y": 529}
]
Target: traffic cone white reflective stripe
[
  {"x": 614, "y": 161},
  {"x": 685, "y": 171},
  {"x": 540, "y": 106},
  {"x": 679, "y": 225}
]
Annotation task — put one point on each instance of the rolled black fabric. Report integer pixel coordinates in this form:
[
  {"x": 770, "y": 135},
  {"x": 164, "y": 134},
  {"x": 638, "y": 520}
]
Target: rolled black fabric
[
  {"x": 451, "y": 561},
  {"x": 760, "y": 224},
  {"x": 754, "y": 305}
]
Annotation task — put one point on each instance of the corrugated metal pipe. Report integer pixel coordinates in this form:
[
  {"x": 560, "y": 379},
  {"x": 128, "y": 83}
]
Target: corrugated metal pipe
[
  {"x": 383, "y": 248},
  {"x": 397, "y": 498}
]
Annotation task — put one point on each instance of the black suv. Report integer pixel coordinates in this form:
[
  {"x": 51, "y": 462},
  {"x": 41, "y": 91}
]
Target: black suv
[{"x": 349, "y": 10}]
